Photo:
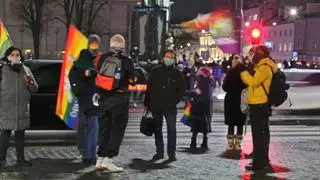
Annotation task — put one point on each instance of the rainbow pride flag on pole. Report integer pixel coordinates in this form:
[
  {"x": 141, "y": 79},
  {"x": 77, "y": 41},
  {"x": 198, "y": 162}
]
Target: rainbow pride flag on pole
[
  {"x": 5, "y": 41},
  {"x": 67, "y": 104}
]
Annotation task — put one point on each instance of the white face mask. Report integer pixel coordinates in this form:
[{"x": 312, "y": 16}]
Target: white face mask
[{"x": 14, "y": 60}]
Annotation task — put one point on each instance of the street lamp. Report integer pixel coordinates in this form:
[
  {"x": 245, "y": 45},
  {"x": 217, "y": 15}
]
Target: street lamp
[
  {"x": 188, "y": 44},
  {"x": 293, "y": 12},
  {"x": 274, "y": 23},
  {"x": 247, "y": 24}
]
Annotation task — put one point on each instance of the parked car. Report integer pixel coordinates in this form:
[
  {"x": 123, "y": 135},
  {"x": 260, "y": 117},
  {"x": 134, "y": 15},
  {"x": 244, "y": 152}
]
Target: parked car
[{"x": 43, "y": 102}]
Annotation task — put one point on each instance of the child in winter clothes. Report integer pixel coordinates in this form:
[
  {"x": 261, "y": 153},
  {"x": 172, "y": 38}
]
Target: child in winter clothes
[{"x": 201, "y": 107}]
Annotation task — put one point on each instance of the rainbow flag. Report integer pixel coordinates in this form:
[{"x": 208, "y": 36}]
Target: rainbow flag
[
  {"x": 186, "y": 117},
  {"x": 67, "y": 104},
  {"x": 5, "y": 41}
]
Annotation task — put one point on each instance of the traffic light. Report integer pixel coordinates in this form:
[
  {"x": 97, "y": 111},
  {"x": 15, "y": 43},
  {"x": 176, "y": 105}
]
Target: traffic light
[{"x": 255, "y": 36}]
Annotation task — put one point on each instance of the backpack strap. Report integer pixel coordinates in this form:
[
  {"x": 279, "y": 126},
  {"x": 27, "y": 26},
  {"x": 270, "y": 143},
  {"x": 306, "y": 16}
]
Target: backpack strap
[{"x": 264, "y": 88}]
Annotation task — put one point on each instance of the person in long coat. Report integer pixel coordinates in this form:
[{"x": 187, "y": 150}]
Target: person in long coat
[
  {"x": 17, "y": 83},
  {"x": 200, "y": 110},
  {"x": 233, "y": 86}
]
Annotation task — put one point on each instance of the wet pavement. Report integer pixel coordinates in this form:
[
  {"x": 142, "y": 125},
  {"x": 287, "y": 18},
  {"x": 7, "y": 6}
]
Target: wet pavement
[{"x": 294, "y": 154}]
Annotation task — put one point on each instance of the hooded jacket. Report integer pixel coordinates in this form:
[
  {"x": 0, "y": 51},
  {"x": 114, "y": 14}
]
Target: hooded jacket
[
  {"x": 264, "y": 70},
  {"x": 15, "y": 95}
]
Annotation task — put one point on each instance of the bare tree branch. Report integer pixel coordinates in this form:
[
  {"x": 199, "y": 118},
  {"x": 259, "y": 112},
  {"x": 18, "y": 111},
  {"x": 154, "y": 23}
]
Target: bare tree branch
[{"x": 32, "y": 12}]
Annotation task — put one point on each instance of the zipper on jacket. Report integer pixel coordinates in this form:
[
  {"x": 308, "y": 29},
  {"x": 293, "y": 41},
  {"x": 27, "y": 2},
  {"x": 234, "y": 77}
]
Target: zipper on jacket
[{"x": 17, "y": 100}]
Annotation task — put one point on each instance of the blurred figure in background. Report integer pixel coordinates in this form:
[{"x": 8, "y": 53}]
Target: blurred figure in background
[{"x": 217, "y": 73}]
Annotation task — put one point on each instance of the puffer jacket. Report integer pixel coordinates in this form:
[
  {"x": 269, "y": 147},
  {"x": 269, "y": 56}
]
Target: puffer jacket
[
  {"x": 262, "y": 76},
  {"x": 15, "y": 95}
]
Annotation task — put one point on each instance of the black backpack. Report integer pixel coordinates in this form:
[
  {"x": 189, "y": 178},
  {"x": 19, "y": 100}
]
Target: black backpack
[{"x": 278, "y": 88}]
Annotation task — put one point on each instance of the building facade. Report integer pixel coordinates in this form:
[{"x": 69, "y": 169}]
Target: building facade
[
  {"x": 289, "y": 35},
  {"x": 114, "y": 18}
]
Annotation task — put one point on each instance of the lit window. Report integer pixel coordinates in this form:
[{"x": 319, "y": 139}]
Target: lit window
[
  {"x": 250, "y": 18},
  {"x": 285, "y": 33},
  {"x": 280, "y": 47},
  {"x": 315, "y": 44},
  {"x": 284, "y": 47},
  {"x": 290, "y": 46},
  {"x": 255, "y": 17}
]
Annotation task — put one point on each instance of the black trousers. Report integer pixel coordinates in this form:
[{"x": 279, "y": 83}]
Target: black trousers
[
  {"x": 4, "y": 144},
  {"x": 171, "y": 118},
  {"x": 259, "y": 117},
  {"x": 113, "y": 119},
  {"x": 239, "y": 130}
]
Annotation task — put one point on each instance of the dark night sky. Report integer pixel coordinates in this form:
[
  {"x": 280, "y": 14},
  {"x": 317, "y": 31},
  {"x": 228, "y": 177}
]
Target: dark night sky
[{"x": 183, "y": 10}]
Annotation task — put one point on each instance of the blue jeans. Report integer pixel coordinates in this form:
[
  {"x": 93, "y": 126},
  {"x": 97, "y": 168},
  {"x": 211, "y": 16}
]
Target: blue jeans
[
  {"x": 88, "y": 136},
  {"x": 91, "y": 138},
  {"x": 171, "y": 118}
]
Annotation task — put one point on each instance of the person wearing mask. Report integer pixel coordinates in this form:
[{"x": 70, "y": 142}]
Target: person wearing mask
[
  {"x": 200, "y": 111},
  {"x": 113, "y": 106},
  {"x": 233, "y": 115},
  {"x": 166, "y": 87},
  {"x": 259, "y": 81},
  {"x": 84, "y": 70},
  {"x": 17, "y": 84}
]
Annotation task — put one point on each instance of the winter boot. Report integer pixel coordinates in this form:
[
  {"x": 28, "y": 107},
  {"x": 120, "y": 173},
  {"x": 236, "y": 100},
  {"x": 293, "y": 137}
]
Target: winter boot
[
  {"x": 204, "y": 144},
  {"x": 230, "y": 145},
  {"x": 193, "y": 144},
  {"x": 238, "y": 141}
]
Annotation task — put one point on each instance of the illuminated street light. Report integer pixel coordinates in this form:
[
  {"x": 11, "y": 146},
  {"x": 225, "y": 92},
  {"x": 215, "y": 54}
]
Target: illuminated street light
[
  {"x": 274, "y": 23},
  {"x": 247, "y": 24},
  {"x": 181, "y": 46},
  {"x": 203, "y": 31},
  {"x": 293, "y": 12},
  {"x": 188, "y": 44}
]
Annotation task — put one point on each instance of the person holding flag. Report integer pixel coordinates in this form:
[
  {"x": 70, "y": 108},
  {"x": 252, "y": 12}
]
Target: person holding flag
[{"x": 82, "y": 77}]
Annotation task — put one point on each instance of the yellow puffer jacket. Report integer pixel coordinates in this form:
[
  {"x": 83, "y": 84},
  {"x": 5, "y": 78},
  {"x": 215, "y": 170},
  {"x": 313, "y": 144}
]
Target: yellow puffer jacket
[{"x": 263, "y": 75}]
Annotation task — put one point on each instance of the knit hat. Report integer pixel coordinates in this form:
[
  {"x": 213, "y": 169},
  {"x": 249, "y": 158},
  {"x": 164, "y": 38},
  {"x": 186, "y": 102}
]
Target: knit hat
[
  {"x": 204, "y": 71},
  {"x": 94, "y": 41},
  {"x": 262, "y": 50}
]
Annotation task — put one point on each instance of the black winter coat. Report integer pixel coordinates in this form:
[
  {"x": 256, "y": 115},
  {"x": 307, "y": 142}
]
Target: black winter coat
[
  {"x": 165, "y": 89},
  {"x": 233, "y": 86},
  {"x": 200, "y": 110},
  {"x": 86, "y": 85}
]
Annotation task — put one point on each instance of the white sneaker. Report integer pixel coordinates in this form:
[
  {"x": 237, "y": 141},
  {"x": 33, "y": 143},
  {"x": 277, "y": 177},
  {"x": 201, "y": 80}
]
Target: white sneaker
[
  {"x": 99, "y": 163},
  {"x": 108, "y": 165}
]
